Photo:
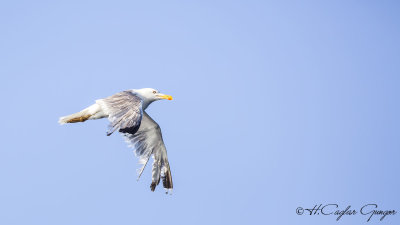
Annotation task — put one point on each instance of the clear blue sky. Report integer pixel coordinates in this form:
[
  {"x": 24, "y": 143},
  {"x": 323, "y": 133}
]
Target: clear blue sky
[{"x": 276, "y": 105}]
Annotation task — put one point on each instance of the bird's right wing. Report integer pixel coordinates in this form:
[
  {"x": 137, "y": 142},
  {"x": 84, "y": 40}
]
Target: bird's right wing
[
  {"x": 124, "y": 111},
  {"x": 148, "y": 141}
]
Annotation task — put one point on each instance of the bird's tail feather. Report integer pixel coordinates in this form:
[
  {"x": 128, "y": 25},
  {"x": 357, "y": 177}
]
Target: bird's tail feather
[
  {"x": 74, "y": 118},
  {"x": 92, "y": 112}
]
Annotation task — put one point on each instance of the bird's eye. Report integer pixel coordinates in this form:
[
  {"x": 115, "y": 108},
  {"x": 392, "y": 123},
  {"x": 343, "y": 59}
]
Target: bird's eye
[{"x": 154, "y": 92}]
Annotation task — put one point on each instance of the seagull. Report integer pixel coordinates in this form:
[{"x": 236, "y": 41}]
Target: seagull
[{"x": 126, "y": 113}]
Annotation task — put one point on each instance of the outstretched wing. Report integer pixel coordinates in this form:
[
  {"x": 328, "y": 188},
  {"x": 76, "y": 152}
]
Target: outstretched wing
[
  {"x": 124, "y": 111},
  {"x": 148, "y": 141}
]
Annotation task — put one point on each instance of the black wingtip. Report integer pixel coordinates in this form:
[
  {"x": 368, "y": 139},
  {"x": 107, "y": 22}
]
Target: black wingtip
[
  {"x": 167, "y": 180},
  {"x": 153, "y": 186}
]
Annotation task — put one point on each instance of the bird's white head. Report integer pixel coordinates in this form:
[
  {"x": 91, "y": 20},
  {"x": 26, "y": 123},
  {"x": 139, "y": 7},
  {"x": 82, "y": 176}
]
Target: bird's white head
[{"x": 150, "y": 95}]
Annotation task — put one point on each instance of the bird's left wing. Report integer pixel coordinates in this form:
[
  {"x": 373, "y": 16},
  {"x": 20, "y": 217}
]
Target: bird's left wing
[
  {"x": 124, "y": 111},
  {"x": 148, "y": 141}
]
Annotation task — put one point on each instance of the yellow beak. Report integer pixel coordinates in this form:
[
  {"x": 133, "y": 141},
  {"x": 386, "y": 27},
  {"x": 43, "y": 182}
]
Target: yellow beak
[{"x": 168, "y": 97}]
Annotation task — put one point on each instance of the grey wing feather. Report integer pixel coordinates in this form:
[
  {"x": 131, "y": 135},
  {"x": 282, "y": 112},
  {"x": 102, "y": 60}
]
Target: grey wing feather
[
  {"x": 124, "y": 111},
  {"x": 147, "y": 141}
]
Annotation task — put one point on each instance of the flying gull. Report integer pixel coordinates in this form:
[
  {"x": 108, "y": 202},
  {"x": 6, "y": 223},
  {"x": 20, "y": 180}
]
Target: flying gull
[{"x": 126, "y": 112}]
